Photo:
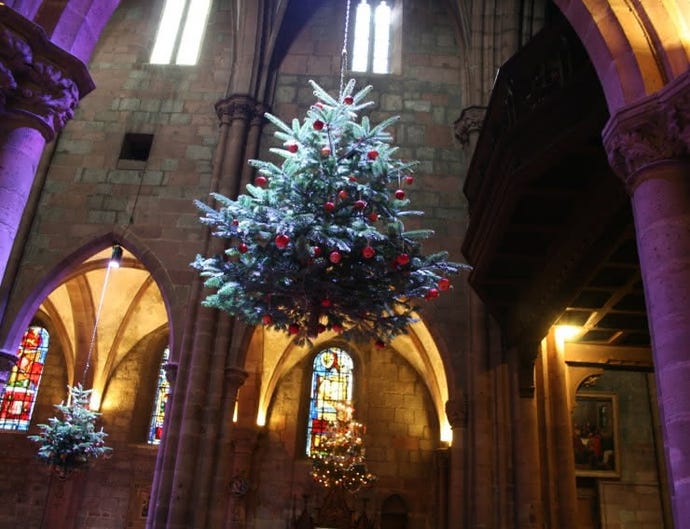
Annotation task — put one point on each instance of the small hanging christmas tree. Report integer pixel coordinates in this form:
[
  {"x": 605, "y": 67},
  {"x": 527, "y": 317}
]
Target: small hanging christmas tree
[
  {"x": 70, "y": 443},
  {"x": 318, "y": 243},
  {"x": 339, "y": 461}
]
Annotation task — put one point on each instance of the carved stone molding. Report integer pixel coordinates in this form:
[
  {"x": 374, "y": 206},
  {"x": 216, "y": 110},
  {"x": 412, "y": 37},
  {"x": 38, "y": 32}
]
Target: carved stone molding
[
  {"x": 38, "y": 80},
  {"x": 651, "y": 131},
  {"x": 456, "y": 411},
  {"x": 239, "y": 106},
  {"x": 470, "y": 120}
]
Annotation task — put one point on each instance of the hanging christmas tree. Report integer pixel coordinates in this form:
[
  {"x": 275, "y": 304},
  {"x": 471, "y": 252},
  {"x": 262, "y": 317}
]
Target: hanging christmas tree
[
  {"x": 339, "y": 460},
  {"x": 318, "y": 242},
  {"x": 70, "y": 443}
]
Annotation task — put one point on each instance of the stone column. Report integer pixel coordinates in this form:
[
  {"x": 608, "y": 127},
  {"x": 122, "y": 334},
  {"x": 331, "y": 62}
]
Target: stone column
[
  {"x": 40, "y": 86},
  {"x": 456, "y": 411},
  {"x": 526, "y": 457},
  {"x": 185, "y": 495},
  {"x": 649, "y": 147}
]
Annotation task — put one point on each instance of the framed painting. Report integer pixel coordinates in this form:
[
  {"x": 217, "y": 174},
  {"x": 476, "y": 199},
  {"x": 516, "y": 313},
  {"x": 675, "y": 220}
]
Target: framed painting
[{"x": 595, "y": 435}]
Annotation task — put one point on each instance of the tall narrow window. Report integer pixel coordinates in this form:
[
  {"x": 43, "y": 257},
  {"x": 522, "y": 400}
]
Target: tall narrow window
[
  {"x": 21, "y": 390},
  {"x": 371, "y": 48},
  {"x": 162, "y": 391},
  {"x": 180, "y": 32},
  {"x": 331, "y": 384}
]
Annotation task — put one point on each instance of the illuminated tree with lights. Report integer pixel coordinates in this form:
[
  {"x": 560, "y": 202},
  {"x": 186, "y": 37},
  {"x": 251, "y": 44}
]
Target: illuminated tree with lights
[{"x": 340, "y": 459}]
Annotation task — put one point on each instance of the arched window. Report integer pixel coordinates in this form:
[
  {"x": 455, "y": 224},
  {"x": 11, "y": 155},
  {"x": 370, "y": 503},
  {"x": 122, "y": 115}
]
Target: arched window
[
  {"x": 331, "y": 384},
  {"x": 158, "y": 415},
  {"x": 180, "y": 32},
  {"x": 21, "y": 390},
  {"x": 371, "y": 50}
]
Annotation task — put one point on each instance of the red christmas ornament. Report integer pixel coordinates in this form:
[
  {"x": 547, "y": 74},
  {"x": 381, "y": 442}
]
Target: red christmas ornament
[
  {"x": 321, "y": 328},
  {"x": 318, "y": 124},
  {"x": 431, "y": 294},
  {"x": 409, "y": 179},
  {"x": 242, "y": 247},
  {"x": 325, "y": 151},
  {"x": 368, "y": 252},
  {"x": 335, "y": 257},
  {"x": 329, "y": 207},
  {"x": 337, "y": 328},
  {"x": 293, "y": 328},
  {"x": 266, "y": 319},
  {"x": 282, "y": 240},
  {"x": 348, "y": 100},
  {"x": 372, "y": 155},
  {"x": 399, "y": 194},
  {"x": 380, "y": 344},
  {"x": 343, "y": 194},
  {"x": 373, "y": 216},
  {"x": 360, "y": 205},
  {"x": 292, "y": 147},
  {"x": 402, "y": 259},
  {"x": 235, "y": 222},
  {"x": 326, "y": 303},
  {"x": 261, "y": 181},
  {"x": 316, "y": 251},
  {"x": 352, "y": 178},
  {"x": 444, "y": 283}
]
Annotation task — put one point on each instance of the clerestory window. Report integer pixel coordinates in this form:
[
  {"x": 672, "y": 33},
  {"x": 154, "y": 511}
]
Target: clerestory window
[
  {"x": 331, "y": 385},
  {"x": 19, "y": 398},
  {"x": 372, "y": 49},
  {"x": 180, "y": 32}
]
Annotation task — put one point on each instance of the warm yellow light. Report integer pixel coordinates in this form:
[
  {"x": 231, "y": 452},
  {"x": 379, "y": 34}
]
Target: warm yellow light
[
  {"x": 95, "y": 400},
  {"x": 234, "y": 413},
  {"x": 261, "y": 418},
  {"x": 446, "y": 433},
  {"x": 567, "y": 332}
]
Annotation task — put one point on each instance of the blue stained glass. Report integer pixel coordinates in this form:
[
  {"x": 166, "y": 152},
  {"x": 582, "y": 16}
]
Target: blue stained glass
[
  {"x": 19, "y": 398},
  {"x": 331, "y": 384}
]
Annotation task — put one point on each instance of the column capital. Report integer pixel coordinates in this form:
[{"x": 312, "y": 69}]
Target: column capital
[
  {"x": 7, "y": 361},
  {"x": 239, "y": 106},
  {"x": 40, "y": 83},
  {"x": 470, "y": 120},
  {"x": 652, "y": 131},
  {"x": 456, "y": 411},
  {"x": 170, "y": 369},
  {"x": 235, "y": 376}
]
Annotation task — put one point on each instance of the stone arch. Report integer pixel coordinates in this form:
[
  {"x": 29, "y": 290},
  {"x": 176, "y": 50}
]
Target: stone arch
[
  {"x": 277, "y": 353},
  {"x": 84, "y": 259},
  {"x": 636, "y": 47}
]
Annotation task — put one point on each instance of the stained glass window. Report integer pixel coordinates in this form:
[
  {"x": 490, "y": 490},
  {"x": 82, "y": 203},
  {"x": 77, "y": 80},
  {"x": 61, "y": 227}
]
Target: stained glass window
[
  {"x": 21, "y": 390},
  {"x": 162, "y": 390},
  {"x": 180, "y": 32},
  {"x": 372, "y": 38},
  {"x": 331, "y": 383}
]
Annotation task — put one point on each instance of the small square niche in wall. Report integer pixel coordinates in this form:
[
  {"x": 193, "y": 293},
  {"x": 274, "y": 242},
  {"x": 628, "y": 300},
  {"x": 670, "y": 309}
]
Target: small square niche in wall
[{"x": 136, "y": 147}]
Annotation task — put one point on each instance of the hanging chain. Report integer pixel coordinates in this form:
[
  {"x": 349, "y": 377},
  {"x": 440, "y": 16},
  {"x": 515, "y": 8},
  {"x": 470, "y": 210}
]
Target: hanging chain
[
  {"x": 343, "y": 53},
  {"x": 95, "y": 325}
]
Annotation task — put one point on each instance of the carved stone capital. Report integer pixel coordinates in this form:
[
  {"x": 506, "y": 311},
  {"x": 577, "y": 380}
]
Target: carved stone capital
[
  {"x": 456, "y": 411},
  {"x": 470, "y": 120},
  {"x": 170, "y": 369},
  {"x": 652, "y": 131},
  {"x": 39, "y": 81},
  {"x": 7, "y": 361},
  {"x": 235, "y": 377},
  {"x": 239, "y": 106}
]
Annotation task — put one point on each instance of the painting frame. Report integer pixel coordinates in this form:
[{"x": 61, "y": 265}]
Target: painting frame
[{"x": 596, "y": 445}]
